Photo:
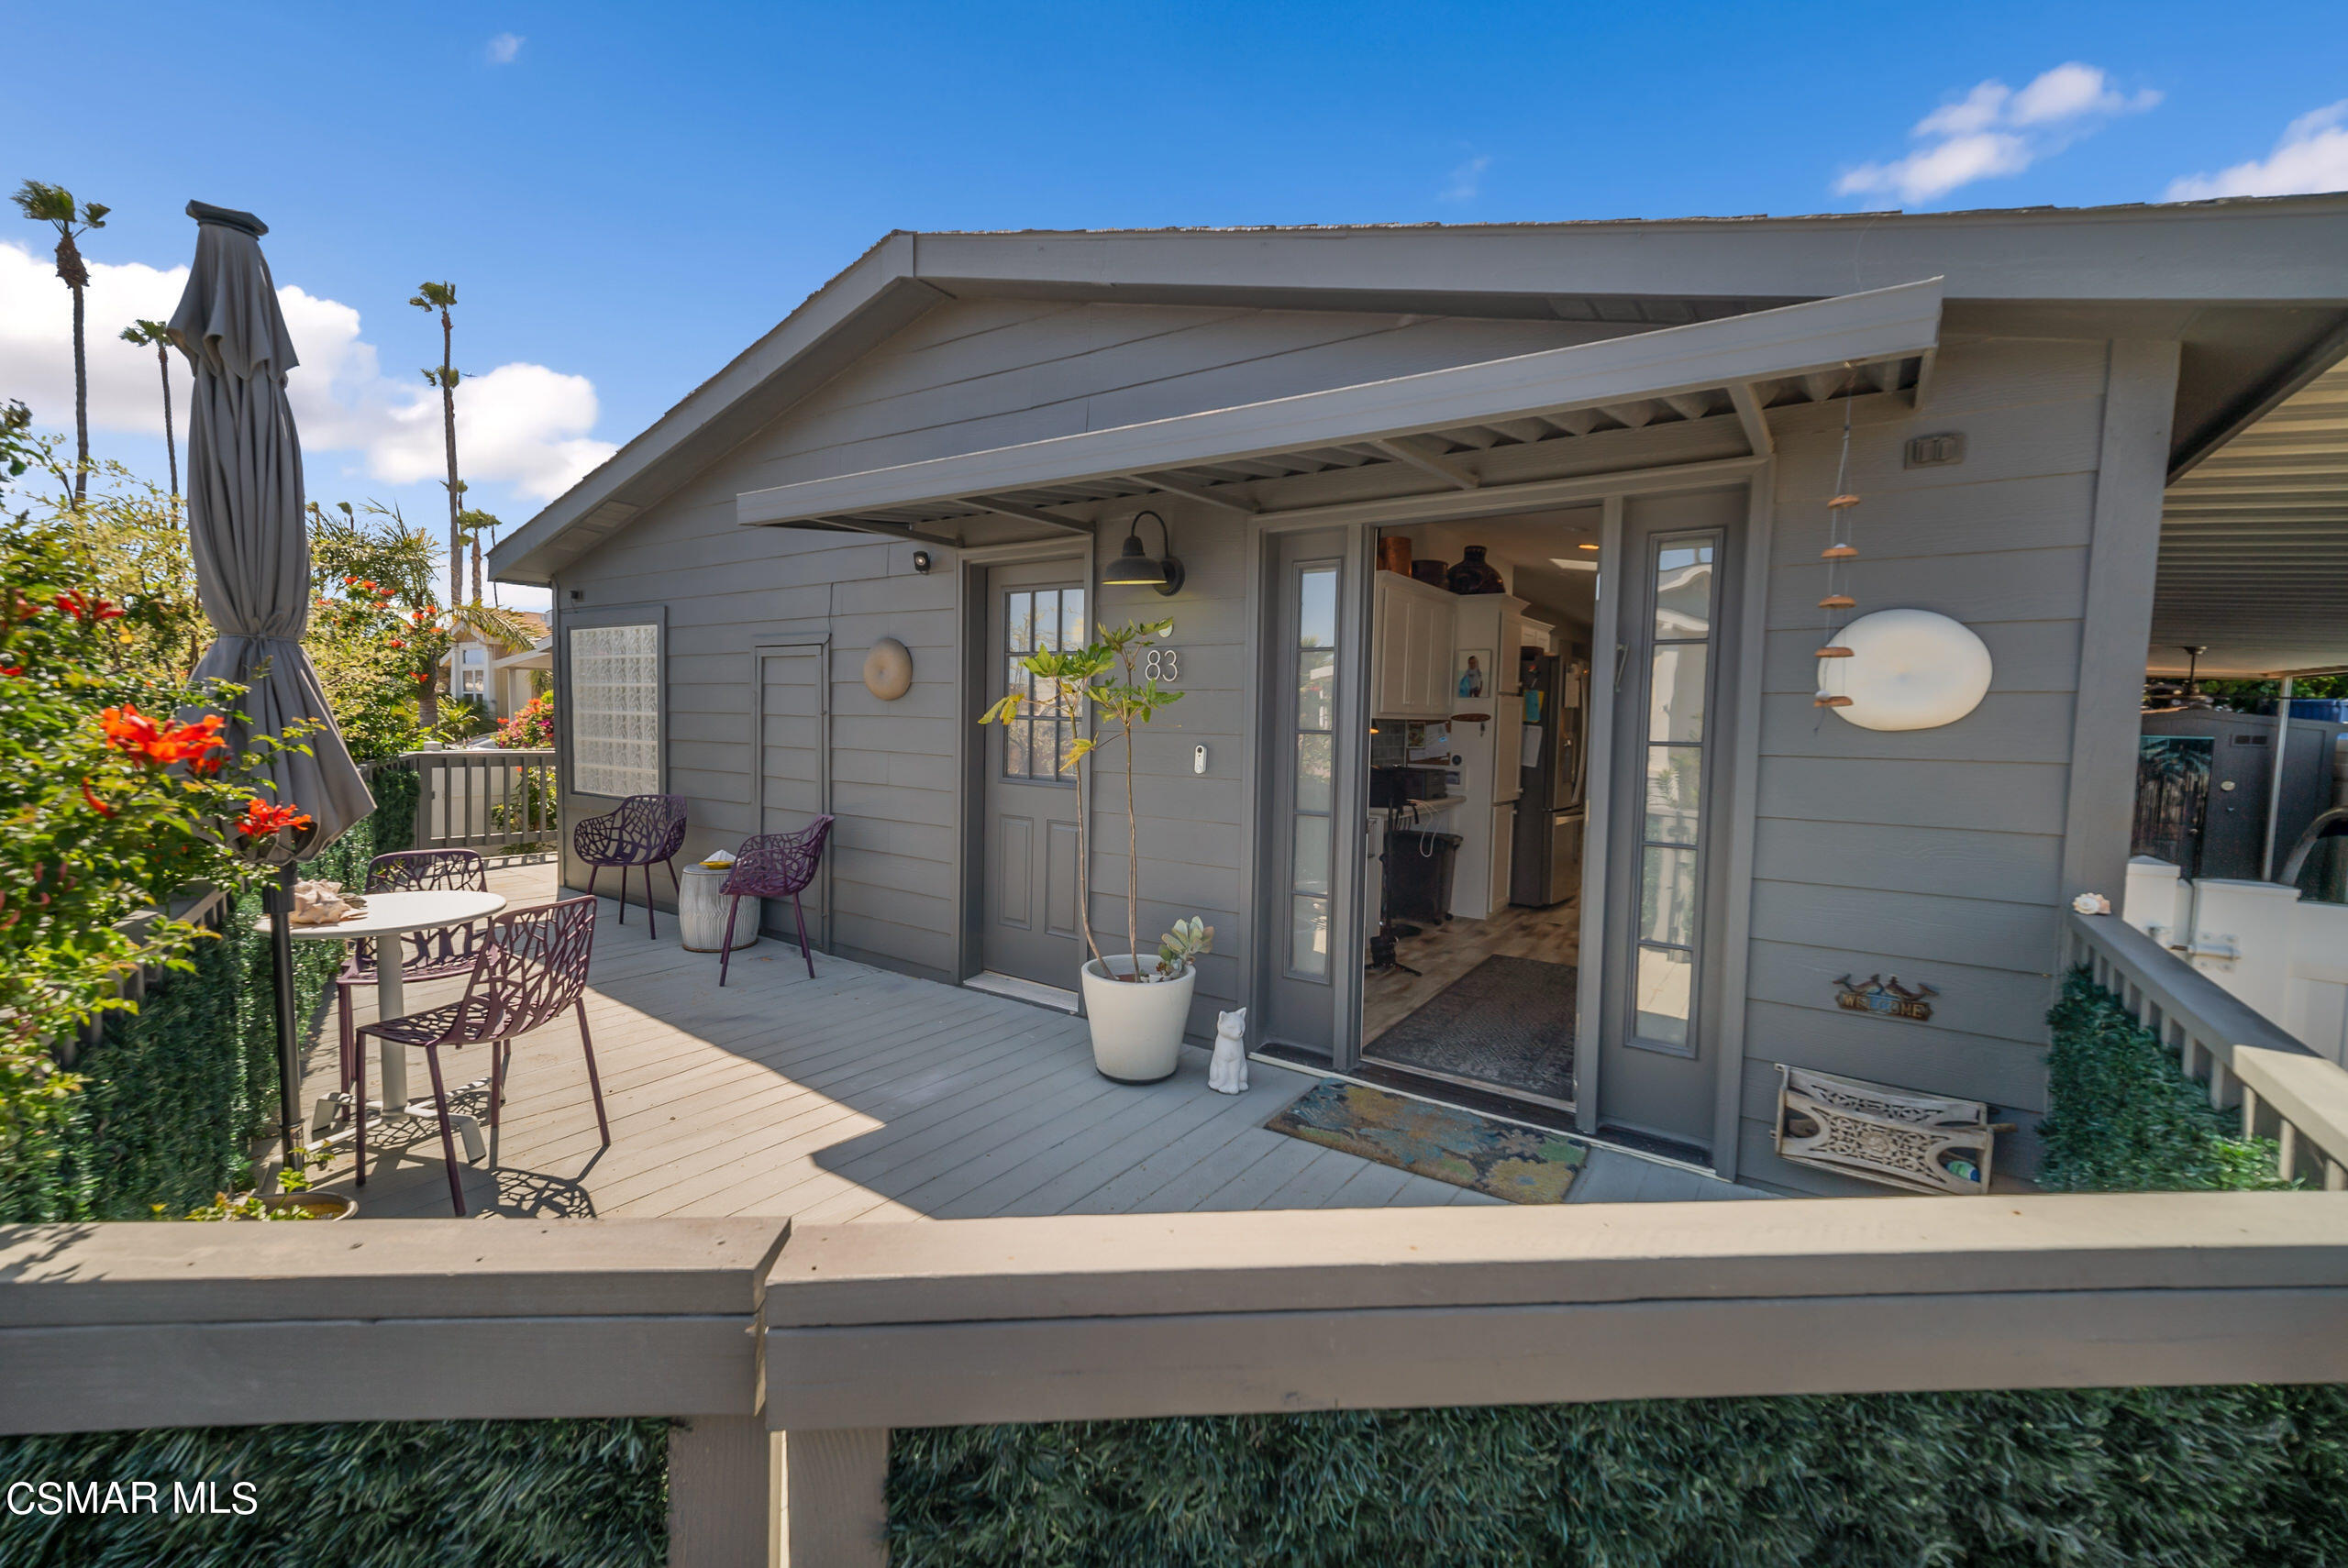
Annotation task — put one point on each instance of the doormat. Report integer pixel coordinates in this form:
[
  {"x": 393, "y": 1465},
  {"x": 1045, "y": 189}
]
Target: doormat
[
  {"x": 1523, "y": 1165},
  {"x": 1508, "y": 1022}
]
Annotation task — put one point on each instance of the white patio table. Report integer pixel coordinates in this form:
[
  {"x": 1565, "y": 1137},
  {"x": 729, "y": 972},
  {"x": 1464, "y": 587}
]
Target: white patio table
[{"x": 390, "y": 916}]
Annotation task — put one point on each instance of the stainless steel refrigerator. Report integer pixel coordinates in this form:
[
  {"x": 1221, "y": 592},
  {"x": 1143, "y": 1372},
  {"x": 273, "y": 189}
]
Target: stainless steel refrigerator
[{"x": 1544, "y": 866}]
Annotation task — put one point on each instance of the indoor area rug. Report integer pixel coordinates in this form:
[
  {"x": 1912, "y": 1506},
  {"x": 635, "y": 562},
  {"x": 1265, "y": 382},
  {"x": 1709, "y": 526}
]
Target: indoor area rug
[
  {"x": 1523, "y": 1165},
  {"x": 1508, "y": 1022}
]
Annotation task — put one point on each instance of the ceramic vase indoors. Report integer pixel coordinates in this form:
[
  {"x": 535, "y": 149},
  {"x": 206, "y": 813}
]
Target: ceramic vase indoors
[
  {"x": 1474, "y": 574},
  {"x": 1137, "y": 1028}
]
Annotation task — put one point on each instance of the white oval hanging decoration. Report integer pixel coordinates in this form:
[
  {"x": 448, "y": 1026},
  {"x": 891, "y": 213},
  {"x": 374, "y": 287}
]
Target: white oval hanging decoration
[
  {"x": 1908, "y": 670},
  {"x": 888, "y": 669}
]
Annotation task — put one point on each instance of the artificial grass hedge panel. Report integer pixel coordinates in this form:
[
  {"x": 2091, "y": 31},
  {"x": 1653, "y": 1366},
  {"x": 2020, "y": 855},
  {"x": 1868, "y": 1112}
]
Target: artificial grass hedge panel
[
  {"x": 554, "y": 1494},
  {"x": 173, "y": 1095},
  {"x": 2081, "y": 1479},
  {"x": 2125, "y": 1118}
]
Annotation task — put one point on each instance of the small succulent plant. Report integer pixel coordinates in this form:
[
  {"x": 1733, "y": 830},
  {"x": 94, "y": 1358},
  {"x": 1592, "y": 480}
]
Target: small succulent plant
[{"x": 1189, "y": 940}]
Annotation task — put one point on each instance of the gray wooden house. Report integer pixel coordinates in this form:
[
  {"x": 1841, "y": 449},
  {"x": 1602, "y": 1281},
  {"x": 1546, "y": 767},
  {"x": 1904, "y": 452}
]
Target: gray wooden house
[{"x": 1641, "y": 427}]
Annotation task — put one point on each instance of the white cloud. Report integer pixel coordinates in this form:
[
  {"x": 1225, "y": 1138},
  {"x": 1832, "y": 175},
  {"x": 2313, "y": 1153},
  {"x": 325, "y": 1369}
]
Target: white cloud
[
  {"x": 504, "y": 48},
  {"x": 1464, "y": 183},
  {"x": 2312, "y": 155},
  {"x": 1996, "y": 130},
  {"x": 520, "y": 425}
]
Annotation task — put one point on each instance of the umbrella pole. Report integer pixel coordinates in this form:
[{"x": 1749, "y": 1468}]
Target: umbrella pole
[{"x": 289, "y": 1065}]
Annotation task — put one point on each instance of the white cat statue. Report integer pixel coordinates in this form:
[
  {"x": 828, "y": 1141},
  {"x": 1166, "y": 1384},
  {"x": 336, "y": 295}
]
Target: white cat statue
[{"x": 1228, "y": 1074}]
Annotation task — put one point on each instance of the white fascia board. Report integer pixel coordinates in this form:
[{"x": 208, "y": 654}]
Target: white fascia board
[{"x": 1822, "y": 335}]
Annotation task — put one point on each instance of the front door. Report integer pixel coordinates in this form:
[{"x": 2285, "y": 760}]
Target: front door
[
  {"x": 1028, "y": 891},
  {"x": 1665, "y": 911}
]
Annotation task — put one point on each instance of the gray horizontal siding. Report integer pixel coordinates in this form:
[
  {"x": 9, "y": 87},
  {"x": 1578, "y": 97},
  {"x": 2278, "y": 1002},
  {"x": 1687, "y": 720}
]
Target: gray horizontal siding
[{"x": 1935, "y": 855}]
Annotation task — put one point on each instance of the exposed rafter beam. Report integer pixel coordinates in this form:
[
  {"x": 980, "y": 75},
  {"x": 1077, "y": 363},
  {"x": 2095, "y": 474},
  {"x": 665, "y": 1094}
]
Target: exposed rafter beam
[
  {"x": 1404, "y": 449},
  {"x": 1210, "y": 494},
  {"x": 1749, "y": 414},
  {"x": 1029, "y": 513},
  {"x": 1690, "y": 406}
]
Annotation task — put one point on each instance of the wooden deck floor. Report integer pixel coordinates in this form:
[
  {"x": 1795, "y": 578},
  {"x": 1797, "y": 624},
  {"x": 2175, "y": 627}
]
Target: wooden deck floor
[{"x": 861, "y": 1094}]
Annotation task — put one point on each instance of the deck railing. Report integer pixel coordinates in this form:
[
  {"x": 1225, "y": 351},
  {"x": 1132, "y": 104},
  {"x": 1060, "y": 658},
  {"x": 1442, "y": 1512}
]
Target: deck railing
[
  {"x": 483, "y": 800},
  {"x": 2286, "y": 1090},
  {"x": 789, "y": 1355}
]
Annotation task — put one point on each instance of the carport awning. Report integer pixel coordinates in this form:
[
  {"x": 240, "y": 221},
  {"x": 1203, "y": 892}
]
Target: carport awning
[{"x": 1498, "y": 427}]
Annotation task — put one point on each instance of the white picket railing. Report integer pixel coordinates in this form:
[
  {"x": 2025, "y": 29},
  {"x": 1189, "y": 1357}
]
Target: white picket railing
[
  {"x": 2286, "y": 1090},
  {"x": 483, "y": 800}
]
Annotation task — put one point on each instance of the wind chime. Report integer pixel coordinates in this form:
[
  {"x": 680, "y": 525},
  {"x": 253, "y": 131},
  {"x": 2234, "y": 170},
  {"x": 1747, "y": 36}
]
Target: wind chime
[{"x": 1839, "y": 549}]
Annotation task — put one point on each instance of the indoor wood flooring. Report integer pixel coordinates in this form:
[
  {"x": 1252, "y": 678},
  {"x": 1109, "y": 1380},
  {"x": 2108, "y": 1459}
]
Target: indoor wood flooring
[{"x": 1443, "y": 954}]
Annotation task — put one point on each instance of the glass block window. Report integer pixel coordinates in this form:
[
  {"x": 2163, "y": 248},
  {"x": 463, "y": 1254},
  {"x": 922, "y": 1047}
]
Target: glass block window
[
  {"x": 1671, "y": 850},
  {"x": 1313, "y": 821},
  {"x": 1036, "y": 746},
  {"x": 615, "y": 710}
]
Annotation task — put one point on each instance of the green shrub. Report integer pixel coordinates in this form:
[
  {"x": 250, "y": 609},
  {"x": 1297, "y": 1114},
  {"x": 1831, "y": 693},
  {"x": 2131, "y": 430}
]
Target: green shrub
[
  {"x": 2125, "y": 1118},
  {"x": 558, "y": 1494},
  {"x": 2087, "y": 1477}
]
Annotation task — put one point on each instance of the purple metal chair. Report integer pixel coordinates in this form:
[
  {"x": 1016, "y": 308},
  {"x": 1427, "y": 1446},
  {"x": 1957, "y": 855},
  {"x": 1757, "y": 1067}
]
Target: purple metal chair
[
  {"x": 530, "y": 965},
  {"x": 773, "y": 866},
  {"x": 427, "y": 955},
  {"x": 639, "y": 830}
]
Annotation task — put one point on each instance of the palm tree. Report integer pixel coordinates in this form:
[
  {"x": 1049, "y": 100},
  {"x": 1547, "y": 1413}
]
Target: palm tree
[
  {"x": 55, "y": 205},
  {"x": 475, "y": 524},
  {"x": 441, "y": 297},
  {"x": 145, "y": 334}
]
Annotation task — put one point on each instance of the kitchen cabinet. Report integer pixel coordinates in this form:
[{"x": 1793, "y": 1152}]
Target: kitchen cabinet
[{"x": 1414, "y": 629}]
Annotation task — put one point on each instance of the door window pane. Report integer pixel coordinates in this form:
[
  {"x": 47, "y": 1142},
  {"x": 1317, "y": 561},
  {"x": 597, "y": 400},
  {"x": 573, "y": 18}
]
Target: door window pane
[
  {"x": 1683, "y": 588},
  {"x": 1667, "y": 895},
  {"x": 1676, "y": 696},
  {"x": 1672, "y": 848},
  {"x": 1674, "y": 788},
  {"x": 1313, "y": 775},
  {"x": 1308, "y": 941},
  {"x": 1317, "y": 609},
  {"x": 1310, "y": 827},
  {"x": 1037, "y": 741},
  {"x": 1665, "y": 986},
  {"x": 1316, "y": 689},
  {"x": 1311, "y": 871}
]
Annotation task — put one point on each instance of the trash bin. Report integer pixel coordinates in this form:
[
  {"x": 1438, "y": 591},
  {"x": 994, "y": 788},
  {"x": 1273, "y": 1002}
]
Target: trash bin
[{"x": 1418, "y": 875}]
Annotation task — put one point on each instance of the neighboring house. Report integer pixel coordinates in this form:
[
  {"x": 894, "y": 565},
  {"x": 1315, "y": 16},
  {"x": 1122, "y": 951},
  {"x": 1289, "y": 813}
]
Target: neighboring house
[
  {"x": 500, "y": 673},
  {"x": 1643, "y": 424}
]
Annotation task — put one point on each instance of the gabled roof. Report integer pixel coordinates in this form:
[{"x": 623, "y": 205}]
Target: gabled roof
[{"x": 2261, "y": 279}]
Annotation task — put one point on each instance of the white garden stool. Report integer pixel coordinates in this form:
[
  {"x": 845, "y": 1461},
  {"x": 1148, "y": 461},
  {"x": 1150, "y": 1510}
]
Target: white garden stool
[{"x": 700, "y": 911}]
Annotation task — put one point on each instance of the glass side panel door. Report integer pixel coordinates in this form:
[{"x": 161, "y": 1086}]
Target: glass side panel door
[
  {"x": 1309, "y": 958},
  {"x": 1675, "y": 639}
]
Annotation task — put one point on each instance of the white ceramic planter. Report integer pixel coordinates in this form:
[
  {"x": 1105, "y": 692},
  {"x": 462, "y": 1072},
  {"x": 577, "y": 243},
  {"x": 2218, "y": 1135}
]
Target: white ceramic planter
[{"x": 1137, "y": 1028}]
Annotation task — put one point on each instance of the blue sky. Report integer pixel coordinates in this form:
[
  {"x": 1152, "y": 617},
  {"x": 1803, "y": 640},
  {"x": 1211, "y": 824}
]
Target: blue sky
[{"x": 626, "y": 196}]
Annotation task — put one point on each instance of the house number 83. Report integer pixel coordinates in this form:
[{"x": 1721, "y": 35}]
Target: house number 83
[{"x": 1162, "y": 664}]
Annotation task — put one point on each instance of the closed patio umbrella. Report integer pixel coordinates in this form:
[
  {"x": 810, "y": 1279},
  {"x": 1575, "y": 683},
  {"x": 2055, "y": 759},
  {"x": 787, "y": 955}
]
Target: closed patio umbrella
[{"x": 247, "y": 533}]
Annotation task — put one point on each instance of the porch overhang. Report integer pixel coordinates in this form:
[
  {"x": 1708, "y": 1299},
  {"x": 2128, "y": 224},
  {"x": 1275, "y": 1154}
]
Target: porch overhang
[
  {"x": 1487, "y": 436},
  {"x": 2254, "y": 553}
]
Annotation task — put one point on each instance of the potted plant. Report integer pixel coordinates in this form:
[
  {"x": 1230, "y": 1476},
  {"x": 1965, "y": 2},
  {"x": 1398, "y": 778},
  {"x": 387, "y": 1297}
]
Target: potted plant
[{"x": 1135, "y": 1005}]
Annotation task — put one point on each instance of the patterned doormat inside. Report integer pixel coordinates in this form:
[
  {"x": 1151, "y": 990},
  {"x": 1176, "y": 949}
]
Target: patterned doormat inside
[
  {"x": 1508, "y": 1022},
  {"x": 1523, "y": 1165}
]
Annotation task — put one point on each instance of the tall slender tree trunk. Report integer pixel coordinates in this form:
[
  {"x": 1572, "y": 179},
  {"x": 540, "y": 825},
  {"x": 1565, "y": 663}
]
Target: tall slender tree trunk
[
  {"x": 449, "y": 429},
  {"x": 81, "y": 402},
  {"x": 170, "y": 448}
]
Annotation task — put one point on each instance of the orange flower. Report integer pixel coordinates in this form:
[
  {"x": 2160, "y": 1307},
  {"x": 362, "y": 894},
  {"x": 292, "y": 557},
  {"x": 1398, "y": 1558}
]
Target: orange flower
[
  {"x": 72, "y": 603},
  {"x": 262, "y": 820},
  {"x": 96, "y": 804},
  {"x": 128, "y": 730}
]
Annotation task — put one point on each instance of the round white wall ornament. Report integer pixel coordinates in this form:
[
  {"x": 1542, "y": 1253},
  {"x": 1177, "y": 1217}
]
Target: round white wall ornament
[
  {"x": 888, "y": 669},
  {"x": 1908, "y": 670}
]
